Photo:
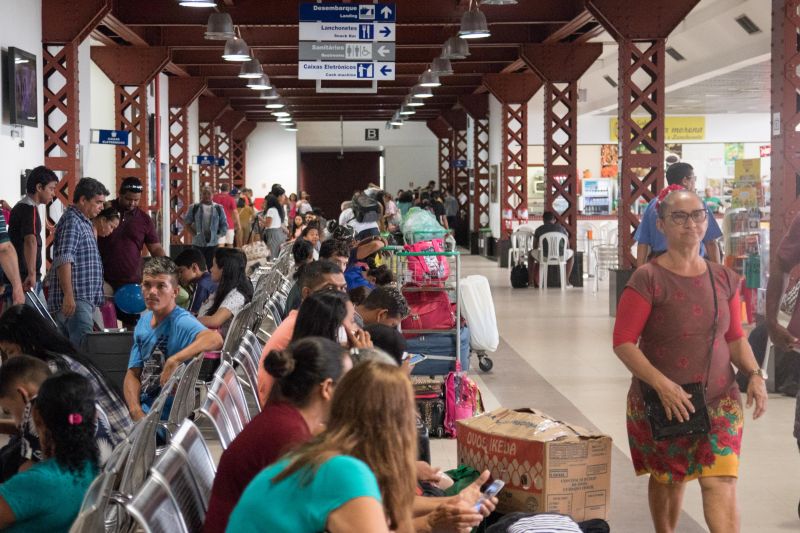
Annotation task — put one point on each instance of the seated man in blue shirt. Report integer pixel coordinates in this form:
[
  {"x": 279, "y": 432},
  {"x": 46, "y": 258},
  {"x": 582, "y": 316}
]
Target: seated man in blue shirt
[
  {"x": 165, "y": 337},
  {"x": 194, "y": 276},
  {"x": 651, "y": 242}
]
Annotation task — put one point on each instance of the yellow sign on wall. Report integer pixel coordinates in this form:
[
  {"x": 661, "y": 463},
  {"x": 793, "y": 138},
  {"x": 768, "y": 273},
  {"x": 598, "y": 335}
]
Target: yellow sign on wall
[{"x": 677, "y": 128}]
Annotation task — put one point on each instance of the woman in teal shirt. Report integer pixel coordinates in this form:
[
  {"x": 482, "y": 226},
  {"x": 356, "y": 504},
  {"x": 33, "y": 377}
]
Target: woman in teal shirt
[
  {"x": 358, "y": 475},
  {"x": 47, "y": 497}
]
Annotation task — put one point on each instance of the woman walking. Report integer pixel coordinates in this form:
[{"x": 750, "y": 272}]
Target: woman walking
[
  {"x": 684, "y": 312},
  {"x": 271, "y": 220}
]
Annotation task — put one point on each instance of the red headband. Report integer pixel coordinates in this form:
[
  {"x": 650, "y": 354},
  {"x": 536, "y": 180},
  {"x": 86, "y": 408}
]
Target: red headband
[{"x": 666, "y": 191}]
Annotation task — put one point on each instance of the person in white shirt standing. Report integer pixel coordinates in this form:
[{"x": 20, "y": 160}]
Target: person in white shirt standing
[{"x": 272, "y": 220}]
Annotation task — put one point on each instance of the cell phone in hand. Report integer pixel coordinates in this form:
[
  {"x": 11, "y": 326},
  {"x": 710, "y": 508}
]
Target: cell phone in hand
[
  {"x": 416, "y": 358},
  {"x": 490, "y": 492}
]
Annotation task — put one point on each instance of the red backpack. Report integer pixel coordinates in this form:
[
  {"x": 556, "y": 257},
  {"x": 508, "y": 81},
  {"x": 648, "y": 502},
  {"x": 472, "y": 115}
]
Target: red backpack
[{"x": 428, "y": 310}]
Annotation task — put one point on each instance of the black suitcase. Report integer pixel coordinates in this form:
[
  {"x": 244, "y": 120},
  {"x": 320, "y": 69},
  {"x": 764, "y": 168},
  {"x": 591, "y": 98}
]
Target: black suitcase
[
  {"x": 431, "y": 411},
  {"x": 110, "y": 352}
]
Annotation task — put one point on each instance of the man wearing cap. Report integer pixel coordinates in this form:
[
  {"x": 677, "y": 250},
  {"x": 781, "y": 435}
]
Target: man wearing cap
[
  {"x": 228, "y": 203},
  {"x": 122, "y": 250}
]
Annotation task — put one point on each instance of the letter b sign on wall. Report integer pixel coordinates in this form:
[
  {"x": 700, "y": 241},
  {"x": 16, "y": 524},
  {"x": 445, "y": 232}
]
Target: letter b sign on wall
[{"x": 371, "y": 134}]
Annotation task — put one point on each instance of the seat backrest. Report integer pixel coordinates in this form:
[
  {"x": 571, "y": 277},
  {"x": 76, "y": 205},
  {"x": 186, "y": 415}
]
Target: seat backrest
[
  {"x": 154, "y": 508},
  {"x": 253, "y": 345},
  {"x": 236, "y": 329},
  {"x": 141, "y": 455},
  {"x": 91, "y": 516},
  {"x": 234, "y": 398},
  {"x": 554, "y": 244},
  {"x": 183, "y": 402},
  {"x": 606, "y": 255},
  {"x": 189, "y": 439},
  {"x": 214, "y": 411}
]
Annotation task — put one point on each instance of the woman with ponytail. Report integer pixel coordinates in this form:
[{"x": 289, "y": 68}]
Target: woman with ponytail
[
  {"x": 298, "y": 408},
  {"x": 48, "y": 496}
]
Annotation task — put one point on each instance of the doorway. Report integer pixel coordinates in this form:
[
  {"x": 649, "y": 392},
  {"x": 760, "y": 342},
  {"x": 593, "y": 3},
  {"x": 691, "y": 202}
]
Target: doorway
[{"x": 331, "y": 178}]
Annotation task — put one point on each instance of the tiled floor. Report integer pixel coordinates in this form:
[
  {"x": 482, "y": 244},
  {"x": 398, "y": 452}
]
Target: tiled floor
[{"x": 556, "y": 354}]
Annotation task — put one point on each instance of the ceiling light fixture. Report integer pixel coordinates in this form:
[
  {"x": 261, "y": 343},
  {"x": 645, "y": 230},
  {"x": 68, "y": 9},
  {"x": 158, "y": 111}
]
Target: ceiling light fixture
[
  {"x": 396, "y": 121},
  {"x": 281, "y": 114},
  {"x": 277, "y": 104},
  {"x": 441, "y": 66},
  {"x": 498, "y": 2},
  {"x": 220, "y": 27},
  {"x": 418, "y": 91},
  {"x": 407, "y": 111},
  {"x": 236, "y": 50},
  {"x": 260, "y": 84},
  {"x": 269, "y": 94},
  {"x": 429, "y": 79},
  {"x": 292, "y": 127},
  {"x": 198, "y": 3},
  {"x": 251, "y": 69},
  {"x": 284, "y": 119},
  {"x": 413, "y": 102},
  {"x": 473, "y": 24},
  {"x": 455, "y": 48}
]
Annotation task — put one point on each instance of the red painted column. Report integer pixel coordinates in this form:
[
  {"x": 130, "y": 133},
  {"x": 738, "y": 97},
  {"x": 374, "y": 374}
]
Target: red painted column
[
  {"x": 457, "y": 119},
  {"x": 228, "y": 122},
  {"x": 477, "y": 106},
  {"x": 513, "y": 91},
  {"x": 444, "y": 134},
  {"x": 640, "y": 29},
  {"x": 211, "y": 109},
  {"x": 239, "y": 153},
  {"x": 132, "y": 68},
  {"x": 65, "y": 24},
  {"x": 182, "y": 92},
  {"x": 561, "y": 65},
  {"x": 785, "y": 119}
]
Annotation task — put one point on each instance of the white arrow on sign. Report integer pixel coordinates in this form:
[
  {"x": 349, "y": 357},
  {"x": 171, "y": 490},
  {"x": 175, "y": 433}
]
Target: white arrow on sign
[
  {"x": 382, "y": 51},
  {"x": 386, "y": 12}
]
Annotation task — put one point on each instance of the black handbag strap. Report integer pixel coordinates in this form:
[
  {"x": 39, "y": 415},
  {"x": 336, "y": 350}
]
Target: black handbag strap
[{"x": 714, "y": 326}]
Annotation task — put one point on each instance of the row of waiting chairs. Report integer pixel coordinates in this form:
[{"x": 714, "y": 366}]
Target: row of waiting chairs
[{"x": 159, "y": 479}]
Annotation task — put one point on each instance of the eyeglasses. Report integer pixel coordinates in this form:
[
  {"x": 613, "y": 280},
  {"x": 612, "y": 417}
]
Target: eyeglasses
[{"x": 679, "y": 218}]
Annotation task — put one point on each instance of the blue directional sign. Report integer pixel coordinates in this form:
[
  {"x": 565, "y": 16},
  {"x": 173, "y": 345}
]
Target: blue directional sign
[
  {"x": 113, "y": 137},
  {"x": 345, "y": 70},
  {"x": 220, "y": 161},
  {"x": 206, "y": 160},
  {"x": 346, "y": 31},
  {"x": 459, "y": 163},
  {"x": 340, "y": 12}
]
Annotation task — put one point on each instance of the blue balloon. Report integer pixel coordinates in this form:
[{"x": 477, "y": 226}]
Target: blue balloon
[{"x": 129, "y": 299}]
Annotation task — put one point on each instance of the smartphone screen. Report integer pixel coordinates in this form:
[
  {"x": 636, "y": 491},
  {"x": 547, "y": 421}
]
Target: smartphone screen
[{"x": 416, "y": 358}]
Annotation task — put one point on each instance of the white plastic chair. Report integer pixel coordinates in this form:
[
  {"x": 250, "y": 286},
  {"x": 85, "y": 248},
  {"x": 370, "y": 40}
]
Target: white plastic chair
[
  {"x": 557, "y": 248},
  {"x": 521, "y": 243},
  {"x": 605, "y": 258}
]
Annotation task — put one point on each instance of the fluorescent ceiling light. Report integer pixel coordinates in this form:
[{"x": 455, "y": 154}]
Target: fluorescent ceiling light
[
  {"x": 236, "y": 50},
  {"x": 220, "y": 27},
  {"x": 198, "y": 3},
  {"x": 419, "y": 91},
  {"x": 455, "y": 48},
  {"x": 473, "y": 24},
  {"x": 429, "y": 79},
  {"x": 261, "y": 84},
  {"x": 251, "y": 69}
]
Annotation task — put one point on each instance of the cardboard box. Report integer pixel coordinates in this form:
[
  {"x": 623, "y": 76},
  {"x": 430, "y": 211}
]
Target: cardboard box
[{"x": 547, "y": 465}]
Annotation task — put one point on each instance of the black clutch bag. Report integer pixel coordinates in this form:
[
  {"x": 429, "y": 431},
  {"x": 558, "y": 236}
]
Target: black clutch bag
[
  {"x": 699, "y": 422},
  {"x": 663, "y": 429}
]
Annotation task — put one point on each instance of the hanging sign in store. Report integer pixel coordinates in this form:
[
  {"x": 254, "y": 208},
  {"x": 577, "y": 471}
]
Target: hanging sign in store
[
  {"x": 675, "y": 128},
  {"x": 345, "y": 70},
  {"x": 113, "y": 137},
  {"x": 206, "y": 160},
  {"x": 371, "y": 134},
  {"x": 342, "y": 41},
  {"x": 459, "y": 163},
  {"x": 312, "y": 51}
]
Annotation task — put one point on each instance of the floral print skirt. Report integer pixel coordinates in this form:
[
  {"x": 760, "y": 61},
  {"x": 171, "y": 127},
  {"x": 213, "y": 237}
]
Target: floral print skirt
[{"x": 687, "y": 458}]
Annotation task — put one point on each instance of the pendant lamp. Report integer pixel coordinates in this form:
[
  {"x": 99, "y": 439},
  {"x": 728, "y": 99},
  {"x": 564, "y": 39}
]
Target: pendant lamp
[
  {"x": 455, "y": 48},
  {"x": 441, "y": 66},
  {"x": 220, "y": 27},
  {"x": 429, "y": 79},
  {"x": 473, "y": 24},
  {"x": 251, "y": 69},
  {"x": 198, "y": 3},
  {"x": 260, "y": 84},
  {"x": 236, "y": 50}
]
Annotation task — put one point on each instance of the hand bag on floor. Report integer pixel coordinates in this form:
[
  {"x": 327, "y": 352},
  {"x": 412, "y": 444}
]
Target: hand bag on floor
[
  {"x": 462, "y": 400},
  {"x": 426, "y": 269}
]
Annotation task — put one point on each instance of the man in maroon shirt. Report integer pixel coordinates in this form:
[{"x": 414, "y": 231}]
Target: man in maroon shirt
[
  {"x": 228, "y": 203},
  {"x": 122, "y": 250}
]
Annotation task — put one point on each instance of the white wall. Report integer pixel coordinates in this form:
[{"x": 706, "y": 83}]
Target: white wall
[
  {"x": 21, "y": 27},
  {"x": 99, "y": 159},
  {"x": 495, "y": 158},
  {"x": 271, "y": 158}
]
